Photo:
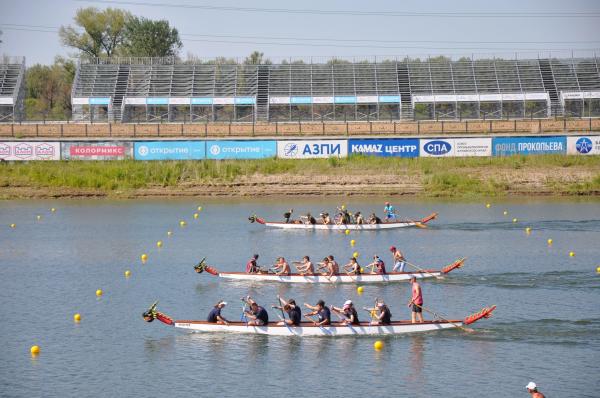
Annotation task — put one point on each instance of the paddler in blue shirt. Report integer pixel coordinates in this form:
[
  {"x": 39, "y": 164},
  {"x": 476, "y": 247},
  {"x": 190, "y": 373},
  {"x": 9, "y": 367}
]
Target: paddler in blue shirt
[
  {"x": 323, "y": 314},
  {"x": 390, "y": 212},
  {"x": 214, "y": 316},
  {"x": 293, "y": 311},
  {"x": 257, "y": 316}
]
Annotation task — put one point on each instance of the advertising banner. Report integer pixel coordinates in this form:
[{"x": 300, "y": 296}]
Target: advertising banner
[
  {"x": 589, "y": 145},
  {"x": 459, "y": 147},
  {"x": 301, "y": 100},
  {"x": 100, "y": 101},
  {"x": 305, "y": 149},
  {"x": 241, "y": 149},
  {"x": 436, "y": 147},
  {"x": 403, "y": 148},
  {"x": 34, "y": 150},
  {"x": 528, "y": 145},
  {"x": 169, "y": 150},
  {"x": 157, "y": 101},
  {"x": 90, "y": 150}
]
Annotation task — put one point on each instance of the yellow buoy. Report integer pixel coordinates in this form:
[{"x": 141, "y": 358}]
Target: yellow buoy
[
  {"x": 505, "y": 212},
  {"x": 34, "y": 350},
  {"x": 378, "y": 345},
  {"x": 99, "y": 292},
  {"x": 38, "y": 217},
  {"x": 488, "y": 205},
  {"x": 347, "y": 232},
  {"x": 77, "y": 317},
  {"x": 598, "y": 269},
  {"x": 182, "y": 223},
  {"x": 159, "y": 243},
  {"x": 528, "y": 230},
  {"x": 13, "y": 225},
  {"x": 360, "y": 289},
  {"x": 53, "y": 210},
  {"x": 362, "y": 270},
  {"x": 127, "y": 274},
  {"x": 144, "y": 257},
  {"x": 169, "y": 233},
  {"x": 549, "y": 241},
  {"x": 343, "y": 207},
  {"x": 571, "y": 254},
  {"x": 355, "y": 254},
  {"x": 195, "y": 215},
  {"x": 515, "y": 219},
  {"x": 199, "y": 208},
  {"x": 352, "y": 242}
]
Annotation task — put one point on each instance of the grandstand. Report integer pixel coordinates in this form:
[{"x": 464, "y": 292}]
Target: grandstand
[
  {"x": 164, "y": 89},
  {"x": 12, "y": 88}
]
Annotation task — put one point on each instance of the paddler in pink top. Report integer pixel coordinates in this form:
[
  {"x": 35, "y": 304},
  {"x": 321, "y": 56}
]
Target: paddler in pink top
[{"x": 416, "y": 301}]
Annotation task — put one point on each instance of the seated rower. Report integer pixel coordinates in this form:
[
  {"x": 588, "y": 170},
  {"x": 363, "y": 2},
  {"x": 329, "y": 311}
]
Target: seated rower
[
  {"x": 383, "y": 316},
  {"x": 309, "y": 219},
  {"x": 287, "y": 215},
  {"x": 399, "y": 261},
  {"x": 323, "y": 314},
  {"x": 252, "y": 266},
  {"x": 373, "y": 219},
  {"x": 293, "y": 311},
  {"x": 281, "y": 267},
  {"x": 323, "y": 266},
  {"x": 257, "y": 315},
  {"x": 348, "y": 312},
  {"x": 377, "y": 266},
  {"x": 359, "y": 218},
  {"x": 305, "y": 266},
  {"x": 214, "y": 316},
  {"x": 353, "y": 267},
  {"x": 325, "y": 219},
  {"x": 334, "y": 267}
]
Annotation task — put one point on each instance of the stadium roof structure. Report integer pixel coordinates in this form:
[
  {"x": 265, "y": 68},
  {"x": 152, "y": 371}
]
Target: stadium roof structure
[
  {"x": 164, "y": 89},
  {"x": 12, "y": 88}
]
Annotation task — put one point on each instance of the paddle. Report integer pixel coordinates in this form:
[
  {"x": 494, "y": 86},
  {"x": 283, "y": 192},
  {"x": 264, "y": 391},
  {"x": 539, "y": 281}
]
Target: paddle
[
  {"x": 422, "y": 270},
  {"x": 468, "y": 330},
  {"x": 282, "y": 316},
  {"x": 317, "y": 324},
  {"x": 342, "y": 319},
  {"x": 244, "y": 318}
]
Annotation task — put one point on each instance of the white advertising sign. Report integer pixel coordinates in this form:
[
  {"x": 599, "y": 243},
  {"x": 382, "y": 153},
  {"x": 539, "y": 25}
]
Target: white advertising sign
[
  {"x": 322, "y": 100},
  {"x": 536, "y": 96},
  {"x": 365, "y": 99},
  {"x": 30, "y": 150},
  {"x": 490, "y": 97},
  {"x": 571, "y": 95},
  {"x": 179, "y": 101},
  {"x": 423, "y": 98},
  {"x": 224, "y": 101},
  {"x": 79, "y": 101},
  {"x": 583, "y": 145},
  {"x": 513, "y": 97},
  {"x": 306, "y": 149},
  {"x": 279, "y": 100},
  {"x": 445, "y": 98},
  {"x": 456, "y": 147},
  {"x": 135, "y": 101},
  {"x": 467, "y": 98}
]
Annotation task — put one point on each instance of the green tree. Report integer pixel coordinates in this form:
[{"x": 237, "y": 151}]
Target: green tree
[
  {"x": 103, "y": 31},
  {"x": 48, "y": 90},
  {"x": 147, "y": 38},
  {"x": 257, "y": 58}
]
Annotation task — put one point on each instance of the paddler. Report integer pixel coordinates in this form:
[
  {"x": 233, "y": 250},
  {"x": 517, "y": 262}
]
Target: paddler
[
  {"x": 257, "y": 315},
  {"x": 532, "y": 389},
  {"x": 293, "y": 311},
  {"x": 252, "y": 266},
  {"x": 287, "y": 215},
  {"x": 309, "y": 219},
  {"x": 383, "y": 314},
  {"x": 377, "y": 266},
  {"x": 348, "y": 312},
  {"x": 334, "y": 267},
  {"x": 389, "y": 211},
  {"x": 399, "y": 260},
  {"x": 323, "y": 314},
  {"x": 344, "y": 215},
  {"x": 373, "y": 219},
  {"x": 416, "y": 301},
  {"x": 325, "y": 219},
  {"x": 214, "y": 316},
  {"x": 353, "y": 267},
  {"x": 359, "y": 218},
  {"x": 281, "y": 267},
  {"x": 305, "y": 266}
]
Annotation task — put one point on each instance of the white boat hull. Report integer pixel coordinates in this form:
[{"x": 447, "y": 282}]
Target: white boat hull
[
  {"x": 342, "y": 227},
  {"x": 307, "y": 329},
  {"x": 340, "y": 278}
]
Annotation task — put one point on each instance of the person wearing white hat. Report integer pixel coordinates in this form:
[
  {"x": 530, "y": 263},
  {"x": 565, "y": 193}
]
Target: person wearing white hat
[
  {"x": 532, "y": 389},
  {"x": 214, "y": 316},
  {"x": 347, "y": 314}
]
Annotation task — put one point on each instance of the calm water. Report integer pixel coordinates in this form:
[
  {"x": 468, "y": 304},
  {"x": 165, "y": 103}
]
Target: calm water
[{"x": 546, "y": 327}]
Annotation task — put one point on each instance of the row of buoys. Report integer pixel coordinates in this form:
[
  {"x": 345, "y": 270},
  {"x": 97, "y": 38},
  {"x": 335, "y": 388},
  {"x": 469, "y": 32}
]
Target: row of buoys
[{"x": 38, "y": 217}]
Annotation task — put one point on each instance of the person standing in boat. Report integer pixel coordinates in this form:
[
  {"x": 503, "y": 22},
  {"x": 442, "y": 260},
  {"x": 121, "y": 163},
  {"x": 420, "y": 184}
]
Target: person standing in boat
[
  {"x": 377, "y": 266},
  {"x": 252, "y": 266},
  {"x": 532, "y": 389},
  {"x": 323, "y": 314},
  {"x": 399, "y": 261},
  {"x": 353, "y": 267},
  {"x": 389, "y": 211},
  {"x": 214, "y": 316},
  {"x": 305, "y": 267},
  {"x": 416, "y": 302},
  {"x": 281, "y": 267},
  {"x": 257, "y": 315},
  {"x": 348, "y": 312},
  {"x": 288, "y": 215},
  {"x": 293, "y": 311}
]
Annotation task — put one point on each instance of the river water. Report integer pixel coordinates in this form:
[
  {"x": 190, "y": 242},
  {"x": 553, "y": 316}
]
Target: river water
[{"x": 546, "y": 327}]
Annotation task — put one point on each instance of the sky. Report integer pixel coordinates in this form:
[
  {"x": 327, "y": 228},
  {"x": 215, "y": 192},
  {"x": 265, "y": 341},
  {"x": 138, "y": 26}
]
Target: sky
[{"x": 324, "y": 29}]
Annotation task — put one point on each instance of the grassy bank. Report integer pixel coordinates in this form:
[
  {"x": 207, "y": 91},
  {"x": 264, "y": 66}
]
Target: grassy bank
[{"x": 550, "y": 174}]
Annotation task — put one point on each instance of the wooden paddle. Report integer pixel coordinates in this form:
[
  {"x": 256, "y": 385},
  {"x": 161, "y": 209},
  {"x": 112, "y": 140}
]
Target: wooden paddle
[
  {"x": 422, "y": 270},
  {"x": 468, "y": 330}
]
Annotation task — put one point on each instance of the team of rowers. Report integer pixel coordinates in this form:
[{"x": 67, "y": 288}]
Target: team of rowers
[
  {"x": 328, "y": 266},
  {"x": 319, "y": 314},
  {"x": 342, "y": 217}
]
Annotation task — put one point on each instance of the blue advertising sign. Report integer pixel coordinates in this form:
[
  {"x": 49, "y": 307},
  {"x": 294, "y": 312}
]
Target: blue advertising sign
[
  {"x": 244, "y": 100},
  {"x": 241, "y": 149},
  {"x": 502, "y": 146},
  {"x": 202, "y": 101},
  {"x": 403, "y": 147},
  {"x": 100, "y": 101},
  {"x": 169, "y": 150},
  {"x": 301, "y": 100},
  {"x": 389, "y": 98},
  {"x": 157, "y": 101},
  {"x": 344, "y": 99}
]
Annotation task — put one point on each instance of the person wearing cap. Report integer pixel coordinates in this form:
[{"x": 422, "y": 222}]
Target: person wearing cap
[
  {"x": 305, "y": 267},
  {"x": 214, "y": 316},
  {"x": 348, "y": 312},
  {"x": 252, "y": 266},
  {"x": 416, "y": 301},
  {"x": 377, "y": 266},
  {"x": 390, "y": 212},
  {"x": 281, "y": 267},
  {"x": 383, "y": 316},
  {"x": 287, "y": 215},
  {"x": 293, "y": 311},
  {"x": 353, "y": 267},
  {"x": 399, "y": 261},
  {"x": 532, "y": 389},
  {"x": 257, "y": 315},
  {"x": 323, "y": 314}
]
